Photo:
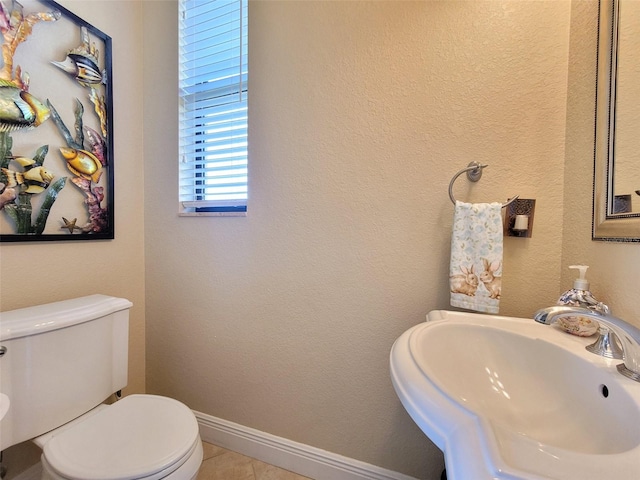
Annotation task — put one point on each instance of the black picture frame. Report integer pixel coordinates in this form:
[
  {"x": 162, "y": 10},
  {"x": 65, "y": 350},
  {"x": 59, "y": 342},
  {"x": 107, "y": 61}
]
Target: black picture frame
[{"x": 87, "y": 212}]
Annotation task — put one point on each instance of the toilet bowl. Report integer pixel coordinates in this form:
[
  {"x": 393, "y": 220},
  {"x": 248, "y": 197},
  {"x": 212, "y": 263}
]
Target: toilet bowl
[
  {"x": 57, "y": 362},
  {"x": 139, "y": 437}
]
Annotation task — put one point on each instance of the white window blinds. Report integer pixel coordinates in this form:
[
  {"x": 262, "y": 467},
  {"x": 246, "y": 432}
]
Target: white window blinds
[{"x": 213, "y": 105}]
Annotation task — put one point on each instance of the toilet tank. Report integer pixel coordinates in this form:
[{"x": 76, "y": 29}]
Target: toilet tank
[{"x": 59, "y": 360}]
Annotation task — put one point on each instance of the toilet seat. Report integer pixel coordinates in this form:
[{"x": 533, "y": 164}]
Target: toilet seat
[{"x": 139, "y": 437}]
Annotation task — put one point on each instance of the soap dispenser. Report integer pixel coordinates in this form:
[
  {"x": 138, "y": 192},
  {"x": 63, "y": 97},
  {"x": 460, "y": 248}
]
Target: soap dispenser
[{"x": 580, "y": 296}]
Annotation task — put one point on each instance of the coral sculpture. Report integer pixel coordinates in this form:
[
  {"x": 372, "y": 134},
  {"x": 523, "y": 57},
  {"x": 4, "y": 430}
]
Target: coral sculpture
[{"x": 85, "y": 166}]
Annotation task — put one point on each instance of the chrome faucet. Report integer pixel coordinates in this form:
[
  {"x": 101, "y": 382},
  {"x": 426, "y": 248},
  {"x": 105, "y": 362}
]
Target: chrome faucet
[{"x": 628, "y": 335}]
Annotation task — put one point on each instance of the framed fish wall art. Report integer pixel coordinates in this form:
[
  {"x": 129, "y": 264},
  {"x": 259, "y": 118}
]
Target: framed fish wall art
[{"x": 56, "y": 125}]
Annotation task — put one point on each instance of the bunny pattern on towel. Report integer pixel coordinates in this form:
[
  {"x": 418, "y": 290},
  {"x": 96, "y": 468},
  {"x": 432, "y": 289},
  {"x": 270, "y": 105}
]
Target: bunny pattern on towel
[
  {"x": 491, "y": 281},
  {"x": 467, "y": 282}
]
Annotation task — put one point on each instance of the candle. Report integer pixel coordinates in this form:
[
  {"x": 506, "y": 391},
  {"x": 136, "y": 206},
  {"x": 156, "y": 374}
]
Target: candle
[{"x": 522, "y": 222}]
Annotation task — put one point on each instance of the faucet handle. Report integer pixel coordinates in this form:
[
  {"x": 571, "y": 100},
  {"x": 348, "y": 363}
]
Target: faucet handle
[{"x": 606, "y": 345}]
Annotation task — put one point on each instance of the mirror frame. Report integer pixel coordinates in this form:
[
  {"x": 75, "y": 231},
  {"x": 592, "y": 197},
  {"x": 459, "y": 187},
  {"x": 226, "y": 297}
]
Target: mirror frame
[{"x": 606, "y": 226}]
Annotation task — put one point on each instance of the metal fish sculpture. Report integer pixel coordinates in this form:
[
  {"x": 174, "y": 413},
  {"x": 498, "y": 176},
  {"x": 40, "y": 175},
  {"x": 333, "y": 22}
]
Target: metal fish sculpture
[
  {"x": 83, "y": 68},
  {"x": 82, "y": 63},
  {"x": 82, "y": 163},
  {"x": 19, "y": 109},
  {"x": 34, "y": 179}
]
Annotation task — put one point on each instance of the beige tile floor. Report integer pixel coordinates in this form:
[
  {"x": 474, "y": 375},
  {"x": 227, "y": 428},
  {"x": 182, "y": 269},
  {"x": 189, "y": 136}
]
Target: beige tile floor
[
  {"x": 221, "y": 464},
  {"x": 218, "y": 464}
]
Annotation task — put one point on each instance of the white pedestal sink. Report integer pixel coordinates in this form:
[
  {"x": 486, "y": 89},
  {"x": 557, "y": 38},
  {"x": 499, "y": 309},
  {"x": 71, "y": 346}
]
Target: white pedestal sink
[{"x": 508, "y": 398}]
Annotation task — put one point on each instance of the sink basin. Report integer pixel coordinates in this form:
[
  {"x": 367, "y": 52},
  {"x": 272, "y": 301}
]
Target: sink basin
[{"x": 509, "y": 398}]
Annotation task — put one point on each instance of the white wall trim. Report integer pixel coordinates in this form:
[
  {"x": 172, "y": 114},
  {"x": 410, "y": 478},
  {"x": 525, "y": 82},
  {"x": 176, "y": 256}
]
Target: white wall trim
[{"x": 293, "y": 456}]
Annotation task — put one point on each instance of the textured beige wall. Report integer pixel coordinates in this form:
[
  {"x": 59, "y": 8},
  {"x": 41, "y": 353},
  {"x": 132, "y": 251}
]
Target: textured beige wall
[
  {"x": 360, "y": 113},
  {"x": 34, "y": 273},
  {"x": 614, "y": 272}
]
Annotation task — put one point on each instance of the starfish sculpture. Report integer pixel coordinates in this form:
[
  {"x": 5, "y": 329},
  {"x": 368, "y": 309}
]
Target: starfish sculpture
[{"x": 71, "y": 225}]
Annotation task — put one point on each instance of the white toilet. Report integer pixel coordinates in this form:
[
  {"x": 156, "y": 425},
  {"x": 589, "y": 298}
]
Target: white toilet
[{"x": 58, "y": 363}]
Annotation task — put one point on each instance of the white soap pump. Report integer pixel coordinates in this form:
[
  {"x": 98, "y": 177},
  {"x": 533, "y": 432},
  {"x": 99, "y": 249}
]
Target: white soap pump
[{"x": 580, "y": 296}]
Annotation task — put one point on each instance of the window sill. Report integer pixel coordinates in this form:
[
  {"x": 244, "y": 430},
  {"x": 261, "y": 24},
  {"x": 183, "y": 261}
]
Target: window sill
[{"x": 212, "y": 214}]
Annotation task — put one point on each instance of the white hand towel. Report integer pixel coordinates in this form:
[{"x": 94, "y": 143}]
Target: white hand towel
[{"x": 476, "y": 257}]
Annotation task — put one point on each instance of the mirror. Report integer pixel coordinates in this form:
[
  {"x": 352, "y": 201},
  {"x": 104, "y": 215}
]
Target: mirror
[{"x": 616, "y": 196}]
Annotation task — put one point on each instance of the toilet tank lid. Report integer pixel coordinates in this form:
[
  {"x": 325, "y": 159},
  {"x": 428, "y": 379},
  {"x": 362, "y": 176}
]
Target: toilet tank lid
[{"x": 52, "y": 316}]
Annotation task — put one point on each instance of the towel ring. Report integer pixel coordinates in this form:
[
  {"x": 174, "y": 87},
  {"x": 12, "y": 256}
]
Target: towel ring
[{"x": 474, "y": 172}]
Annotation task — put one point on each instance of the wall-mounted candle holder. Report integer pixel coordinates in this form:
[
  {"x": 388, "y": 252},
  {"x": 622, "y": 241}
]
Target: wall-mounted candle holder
[{"x": 518, "y": 218}]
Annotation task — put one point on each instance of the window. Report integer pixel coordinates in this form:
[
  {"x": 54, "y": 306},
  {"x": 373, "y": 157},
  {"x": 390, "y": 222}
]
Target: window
[{"x": 213, "y": 105}]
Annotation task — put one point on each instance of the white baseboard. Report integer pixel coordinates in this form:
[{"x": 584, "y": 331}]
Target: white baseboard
[{"x": 293, "y": 456}]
